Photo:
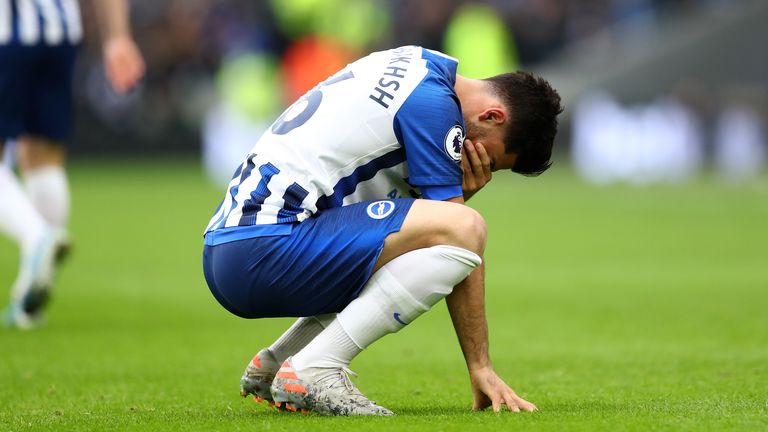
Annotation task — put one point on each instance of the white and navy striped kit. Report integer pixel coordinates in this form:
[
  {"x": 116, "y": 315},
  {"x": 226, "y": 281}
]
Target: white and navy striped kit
[
  {"x": 38, "y": 47},
  {"x": 388, "y": 125},
  {"x": 32, "y": 22}
]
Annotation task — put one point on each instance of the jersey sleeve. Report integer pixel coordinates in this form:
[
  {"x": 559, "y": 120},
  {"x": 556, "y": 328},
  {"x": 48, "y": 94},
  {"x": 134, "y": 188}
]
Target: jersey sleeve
[
  {"x": 430, "y": 127},
  {"x": 441, "y": 193}
]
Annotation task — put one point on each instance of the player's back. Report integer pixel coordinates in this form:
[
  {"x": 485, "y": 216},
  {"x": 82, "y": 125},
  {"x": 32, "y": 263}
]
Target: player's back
[
  {"x": 338, "y": 127},
  {"x": 342, "y": 142}
]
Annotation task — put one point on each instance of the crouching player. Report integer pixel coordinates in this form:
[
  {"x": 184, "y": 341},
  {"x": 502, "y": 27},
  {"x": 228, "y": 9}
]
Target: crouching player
[{"x": 322, "y": 221}]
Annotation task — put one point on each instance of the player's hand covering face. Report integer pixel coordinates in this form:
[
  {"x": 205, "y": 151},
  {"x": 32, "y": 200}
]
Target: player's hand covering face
[{"x": 476, "y": 165}]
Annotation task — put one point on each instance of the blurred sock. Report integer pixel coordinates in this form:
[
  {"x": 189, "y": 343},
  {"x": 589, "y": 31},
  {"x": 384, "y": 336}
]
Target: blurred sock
[
  {"x": 18, "y": 217},
  {"x": 48, "y": 189}
]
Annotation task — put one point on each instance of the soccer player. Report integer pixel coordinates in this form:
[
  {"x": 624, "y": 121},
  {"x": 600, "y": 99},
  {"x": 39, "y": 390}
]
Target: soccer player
[
  {"x": 38, "y": 41},
  {"x": 322, "y": 221}
]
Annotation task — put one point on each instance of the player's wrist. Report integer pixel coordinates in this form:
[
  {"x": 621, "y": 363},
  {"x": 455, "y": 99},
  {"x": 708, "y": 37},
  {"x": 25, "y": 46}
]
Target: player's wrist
[
  {"x": 119, "y": 40},
  {"x": 479, "y": 366}
]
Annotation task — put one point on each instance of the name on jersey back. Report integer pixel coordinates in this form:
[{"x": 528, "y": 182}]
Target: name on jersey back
[{"x": 393, "y": 73}]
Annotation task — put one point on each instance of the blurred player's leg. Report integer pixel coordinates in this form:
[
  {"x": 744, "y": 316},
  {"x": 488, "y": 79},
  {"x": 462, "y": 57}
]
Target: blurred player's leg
[
  {"x": 261, "y": 370},
  {"x": 42, "y": 163},
  {"x": 38, "y": 242},
  {"x": 47, "y": 129},
  {"x": 18, "y": 217},
  {"x": 36, "y": 101},
  {"x": 396, "y": 294}
]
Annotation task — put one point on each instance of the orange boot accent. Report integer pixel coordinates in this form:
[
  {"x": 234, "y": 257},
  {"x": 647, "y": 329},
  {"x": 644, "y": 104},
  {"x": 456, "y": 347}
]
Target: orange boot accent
[
  {"x": 256, "y": 362},
  {"x": 287, "y": 375},
  {"x": 295, "y": 388}
]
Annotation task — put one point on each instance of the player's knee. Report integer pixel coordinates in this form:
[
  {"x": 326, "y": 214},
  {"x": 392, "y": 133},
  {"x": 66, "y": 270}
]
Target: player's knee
[
  {"x": 37, "y": 152},
  {"x": 464, "y": 228},
  {"x": 474, "y": 231},
  {"x": 433, "y": 223}
]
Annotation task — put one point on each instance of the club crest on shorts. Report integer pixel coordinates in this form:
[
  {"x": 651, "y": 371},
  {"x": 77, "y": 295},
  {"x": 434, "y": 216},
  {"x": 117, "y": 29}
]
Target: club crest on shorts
[
  {"x": 380, "y": 209},
  {"x": 454, "y": 140}
]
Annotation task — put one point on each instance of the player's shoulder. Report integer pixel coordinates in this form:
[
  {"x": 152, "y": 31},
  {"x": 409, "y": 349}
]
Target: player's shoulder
[
  {"x": 410, "y": 56},
  {"x": 436, "y": 89},
  {"x": 441, "y": 64}
]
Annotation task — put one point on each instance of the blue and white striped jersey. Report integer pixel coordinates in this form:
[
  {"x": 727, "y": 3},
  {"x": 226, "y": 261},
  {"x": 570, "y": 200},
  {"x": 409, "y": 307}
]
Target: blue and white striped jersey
[
  {"x": 388, "y": 125},
  {"x": 32, "y": 22}
]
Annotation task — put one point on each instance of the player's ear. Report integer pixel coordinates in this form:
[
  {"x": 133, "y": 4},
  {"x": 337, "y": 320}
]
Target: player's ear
[{"x": 494, "y": 115}]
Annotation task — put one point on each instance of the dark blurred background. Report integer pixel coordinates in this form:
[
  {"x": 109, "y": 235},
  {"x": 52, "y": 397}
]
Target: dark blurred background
[{"x": 655, "y": 90}]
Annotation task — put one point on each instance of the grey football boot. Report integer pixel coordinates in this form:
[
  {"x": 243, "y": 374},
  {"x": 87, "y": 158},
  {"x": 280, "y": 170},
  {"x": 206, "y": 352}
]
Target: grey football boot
[
  {"x": 324, "y": 391},
  {"x": 258, "y": 376}
]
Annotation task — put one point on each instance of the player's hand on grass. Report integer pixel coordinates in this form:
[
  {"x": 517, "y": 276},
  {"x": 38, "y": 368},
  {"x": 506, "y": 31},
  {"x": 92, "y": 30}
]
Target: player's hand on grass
[
  {"x": 123, "y": 63},
  {"x": 490, "y": 390},
  {"x": 476, "y": 165}
]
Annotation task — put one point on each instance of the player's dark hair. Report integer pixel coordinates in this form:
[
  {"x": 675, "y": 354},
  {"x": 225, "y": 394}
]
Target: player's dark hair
[{"x": 533, "y": 108}]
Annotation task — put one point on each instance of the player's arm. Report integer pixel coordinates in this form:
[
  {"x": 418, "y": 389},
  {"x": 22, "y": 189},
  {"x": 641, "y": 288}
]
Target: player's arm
[
  {"x": 122, "y": 60},
  {"x": 476, "y": 168},
  {"x": 466, "y": 304}
]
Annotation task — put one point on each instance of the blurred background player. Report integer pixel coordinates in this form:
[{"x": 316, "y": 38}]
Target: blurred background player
[{"x": 38, "y": 44}]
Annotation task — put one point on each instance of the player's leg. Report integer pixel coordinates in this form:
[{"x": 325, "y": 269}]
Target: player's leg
[
  {"x": 42, "y": 163},
  {"x": 21, "y": 221},
  {"x": 18, "y": 217},
  {"x": 49, "y": 125},
  {"x": 434, "y": 223},
  {"x": 299, "y": 335},
  {"x": 437, "y": 247}
]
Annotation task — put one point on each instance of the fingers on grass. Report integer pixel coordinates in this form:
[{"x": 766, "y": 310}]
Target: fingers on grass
[
  {"x": 524, "y": 404},
  {"x": 512, "y": 406},
  {"x": 511, "y": 402}
]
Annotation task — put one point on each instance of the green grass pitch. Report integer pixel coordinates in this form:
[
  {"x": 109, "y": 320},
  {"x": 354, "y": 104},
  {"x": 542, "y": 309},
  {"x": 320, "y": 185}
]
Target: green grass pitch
[{"x": 612, "y": 308}]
